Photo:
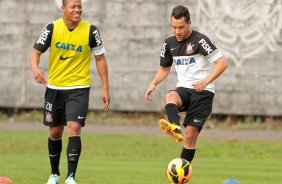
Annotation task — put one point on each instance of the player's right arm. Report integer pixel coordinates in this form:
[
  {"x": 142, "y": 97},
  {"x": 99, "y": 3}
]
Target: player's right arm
[
  {"x": 165, "y": 64},
  {"x": 38, "y": 74},
  {"x": 159, "y": 77},
  {"x": 40, "y": 46}
]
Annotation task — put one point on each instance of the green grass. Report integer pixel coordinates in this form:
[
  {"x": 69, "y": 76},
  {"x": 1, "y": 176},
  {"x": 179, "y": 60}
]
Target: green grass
[{"x": 140, "y": 159}]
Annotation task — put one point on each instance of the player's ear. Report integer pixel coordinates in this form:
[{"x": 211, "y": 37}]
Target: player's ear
[
  {"x": 63, "y": 8},
  {"x": 189, "y": 22}
]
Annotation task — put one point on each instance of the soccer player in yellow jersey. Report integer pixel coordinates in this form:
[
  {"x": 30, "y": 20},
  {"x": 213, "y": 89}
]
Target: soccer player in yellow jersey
[{"x": 71, "y": 41}]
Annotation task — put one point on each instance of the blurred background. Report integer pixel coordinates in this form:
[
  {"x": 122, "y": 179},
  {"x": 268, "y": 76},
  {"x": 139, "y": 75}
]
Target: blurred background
[{"x": 249, "y": 33}]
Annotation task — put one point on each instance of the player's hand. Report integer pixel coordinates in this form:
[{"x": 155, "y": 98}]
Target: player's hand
[
  {"x": 106, "y": 99},
  {"x": 149, "y": 91},
  {"x": 200, "y": 85},
  {"x": 39, "y": 76}
]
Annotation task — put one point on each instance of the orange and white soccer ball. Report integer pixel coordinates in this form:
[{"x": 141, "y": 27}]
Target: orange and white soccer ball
[{"x": 179, "y": 171}]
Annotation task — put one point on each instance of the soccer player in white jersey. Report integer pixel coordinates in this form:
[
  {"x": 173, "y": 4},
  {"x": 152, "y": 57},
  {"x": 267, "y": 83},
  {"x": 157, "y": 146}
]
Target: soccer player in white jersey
[{"x": 198, "y": 63}]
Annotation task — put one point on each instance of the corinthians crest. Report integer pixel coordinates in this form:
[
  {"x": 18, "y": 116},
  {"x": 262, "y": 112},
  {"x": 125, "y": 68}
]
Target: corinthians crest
[
  {"x": 242, "y": 29},
  {"x": 48, "y": 117},
  {"x": 189, "y": 49}
]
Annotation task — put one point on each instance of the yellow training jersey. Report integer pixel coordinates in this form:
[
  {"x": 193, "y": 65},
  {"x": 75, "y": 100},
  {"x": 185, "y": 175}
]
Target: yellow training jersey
[{"x": 70, "y": 54}]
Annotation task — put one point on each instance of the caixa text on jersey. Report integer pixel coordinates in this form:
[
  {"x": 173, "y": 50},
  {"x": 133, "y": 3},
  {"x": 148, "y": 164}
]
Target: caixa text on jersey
[
  {"x": 184, "y": 60},
  {"x": 69, "y": 46}
]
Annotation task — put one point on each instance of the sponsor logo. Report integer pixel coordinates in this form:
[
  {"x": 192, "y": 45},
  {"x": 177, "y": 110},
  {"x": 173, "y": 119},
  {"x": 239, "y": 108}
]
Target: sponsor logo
[
  {"x": 163, "y": 50},
  {"x": 43, "y": 37},
  {"x": 48, "y": 106},
  {"x": 189, "y": 49},
  {"x": 192, "y": 61},
  {"x": 205, "y": 46},
  {"x": 65, "y": 58},
  {"x": 68, "y": 46},
  {"x": 48, "y": 117},
  {"x": 172, "y": 49},
  {"x": 97, "y": 37},
  {"x": 182, "y": 60}
]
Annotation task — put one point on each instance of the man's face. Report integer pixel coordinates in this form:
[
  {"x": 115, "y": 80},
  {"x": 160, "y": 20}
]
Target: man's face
[
  {"x": 180, "y": 28},
  {"x": 72, "y": 10}
]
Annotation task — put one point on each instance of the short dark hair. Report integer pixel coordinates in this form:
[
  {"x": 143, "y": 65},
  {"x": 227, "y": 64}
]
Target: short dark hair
[{"x": 180, "y": 11}]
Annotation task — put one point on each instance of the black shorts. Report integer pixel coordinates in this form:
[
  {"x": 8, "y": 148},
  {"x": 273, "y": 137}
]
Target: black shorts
[
  {"x": 198, "y": 105},
  {"x": 62, "y": 106}
]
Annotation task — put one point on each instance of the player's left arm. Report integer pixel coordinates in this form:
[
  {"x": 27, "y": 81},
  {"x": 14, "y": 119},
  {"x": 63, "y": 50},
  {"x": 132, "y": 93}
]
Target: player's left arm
[
  {"x": 97, "y": 48},
  {"x": 219, "y": 68},
  {"x": 213, "y": 55},
  {"x": 102, "y": 69}
]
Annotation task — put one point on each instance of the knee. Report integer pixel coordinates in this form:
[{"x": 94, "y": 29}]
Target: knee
[
  {"x": 56, "y": 133},
  {"x": 74, "y": 128},
  {"x": 171, "y": 96}
]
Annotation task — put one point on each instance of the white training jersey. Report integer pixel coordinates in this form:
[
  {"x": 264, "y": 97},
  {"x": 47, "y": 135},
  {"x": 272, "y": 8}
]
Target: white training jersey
[{"x": 193, "y": 58}]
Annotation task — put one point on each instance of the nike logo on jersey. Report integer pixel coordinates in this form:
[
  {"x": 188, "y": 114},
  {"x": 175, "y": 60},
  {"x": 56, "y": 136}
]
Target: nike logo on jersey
[
  {"x": 172, "y": 49},
  {"x": 65, "y": 58}
]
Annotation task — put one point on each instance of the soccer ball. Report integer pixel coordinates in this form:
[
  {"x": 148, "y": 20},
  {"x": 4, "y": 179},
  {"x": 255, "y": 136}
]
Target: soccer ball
[
  {"x": 58, "y": 3},
  {"x": 179, "y": 171}
]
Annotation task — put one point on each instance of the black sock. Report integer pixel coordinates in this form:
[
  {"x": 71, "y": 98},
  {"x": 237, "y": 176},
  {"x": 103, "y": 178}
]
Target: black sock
[
  {"x": 73, "y": 153},
  {"x": 55, "y": 148},
  {"x": 188, "y": 154},
  {"x": 172, "y": 113}
]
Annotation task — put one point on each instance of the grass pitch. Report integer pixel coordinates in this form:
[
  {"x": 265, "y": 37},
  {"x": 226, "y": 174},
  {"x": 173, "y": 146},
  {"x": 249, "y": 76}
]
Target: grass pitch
[{"x": 139, "y": 159}]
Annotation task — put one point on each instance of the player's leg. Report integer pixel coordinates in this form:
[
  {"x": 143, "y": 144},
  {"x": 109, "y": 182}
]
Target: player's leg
[
  {"x": 55, "y": 148},
  {"x": 173, "y": 104},
  {"x": 73, "y": 148},
  {"x": 197, "y": 113},
  {"x": 51, "y": 119},
  {"x": 190, "y": 140},
  {"x": 76, "y": 111}
]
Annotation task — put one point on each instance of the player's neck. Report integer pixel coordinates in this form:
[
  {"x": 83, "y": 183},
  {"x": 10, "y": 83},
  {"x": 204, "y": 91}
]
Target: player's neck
[
  {"x": 189, "y": 33},
  {"x": 70, "y": 24}
]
